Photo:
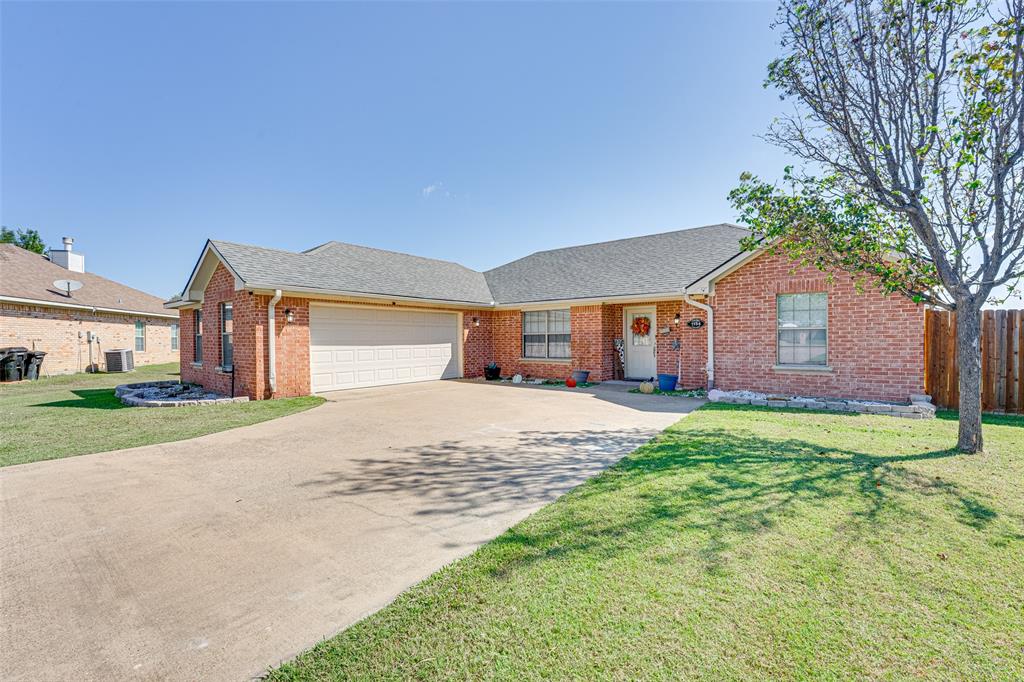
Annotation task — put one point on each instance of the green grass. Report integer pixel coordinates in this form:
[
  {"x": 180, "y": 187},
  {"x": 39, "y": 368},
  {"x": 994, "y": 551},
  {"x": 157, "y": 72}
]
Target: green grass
[
  {"x": 561, "y": 382},
  {"x": 743, "y": 543},
  {"x": 77, "y": 414},
  {"x": 685, "y": 393}
]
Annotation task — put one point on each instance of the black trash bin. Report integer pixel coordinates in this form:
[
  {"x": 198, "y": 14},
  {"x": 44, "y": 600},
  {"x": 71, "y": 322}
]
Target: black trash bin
[
  {"x": 12, "y": 363},
  {"x": 33, "y": 361}
]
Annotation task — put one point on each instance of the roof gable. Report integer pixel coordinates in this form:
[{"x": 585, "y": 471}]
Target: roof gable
[{"x": 653, "y": 265}]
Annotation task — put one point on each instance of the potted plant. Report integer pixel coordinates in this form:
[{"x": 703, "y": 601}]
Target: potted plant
[
  {"x": 581, "y": 375},
  {"x": 492, "y": 372}
]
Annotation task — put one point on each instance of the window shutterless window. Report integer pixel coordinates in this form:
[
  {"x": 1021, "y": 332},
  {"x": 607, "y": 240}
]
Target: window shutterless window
[
  {"x": 227, "y": 345},
  {"x": 546, "y": 334},
  {"x": 802, "y": 329},
  {"x": 197, "y": 341},
  {"x": 140, "y": 336},
  {"x": 174, "y": 336}
]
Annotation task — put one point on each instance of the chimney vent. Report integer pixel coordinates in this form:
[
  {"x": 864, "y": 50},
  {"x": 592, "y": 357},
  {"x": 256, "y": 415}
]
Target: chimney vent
[{"x": 66, "y": 258}]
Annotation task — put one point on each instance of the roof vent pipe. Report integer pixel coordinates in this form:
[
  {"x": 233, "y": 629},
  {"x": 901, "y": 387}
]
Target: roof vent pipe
[
  {"x": 711, "y": 337},
  {"x": 272, "y": 341},
  {"x": 66, "y": 258}
]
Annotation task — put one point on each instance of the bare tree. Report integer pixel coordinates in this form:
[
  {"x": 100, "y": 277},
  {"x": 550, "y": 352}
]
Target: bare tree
[{"x": 909, "y": 121}]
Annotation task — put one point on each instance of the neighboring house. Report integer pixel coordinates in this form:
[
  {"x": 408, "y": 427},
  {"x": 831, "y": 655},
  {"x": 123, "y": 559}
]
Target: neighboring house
[
  {"x": 101, "y": 315},
  {"x": 346, "y": 316}
]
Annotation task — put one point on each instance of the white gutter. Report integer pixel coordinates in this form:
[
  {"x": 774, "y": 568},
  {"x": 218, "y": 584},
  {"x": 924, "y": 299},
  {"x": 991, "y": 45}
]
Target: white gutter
[
  {"x": 711, "y": 336},
  {"x": 79, "y": 306},
  {"x": 271, "y": 342}
]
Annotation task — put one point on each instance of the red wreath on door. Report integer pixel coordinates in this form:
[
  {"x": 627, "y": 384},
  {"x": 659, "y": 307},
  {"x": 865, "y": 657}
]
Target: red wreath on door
[{"x": 641, "y": 326}]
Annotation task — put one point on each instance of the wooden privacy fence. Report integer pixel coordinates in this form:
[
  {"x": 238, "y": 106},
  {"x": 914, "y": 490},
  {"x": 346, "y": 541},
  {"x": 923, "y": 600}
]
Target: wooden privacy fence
[{"x": 1002, "y": 346}]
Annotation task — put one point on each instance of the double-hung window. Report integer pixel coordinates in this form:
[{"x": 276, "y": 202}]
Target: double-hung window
[
  {"x": 803, "y": 329},
  {"x": 546, "y": 334},
  {"x": 140, "y": 336},
  {"x": 227, "y": 344},
  {"x": 197, "y": 341},
  {"x": 174, "y": 336}
]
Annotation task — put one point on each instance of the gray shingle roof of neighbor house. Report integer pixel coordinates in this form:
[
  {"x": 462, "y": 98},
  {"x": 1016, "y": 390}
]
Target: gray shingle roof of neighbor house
[{"x": 656, "y": 264}]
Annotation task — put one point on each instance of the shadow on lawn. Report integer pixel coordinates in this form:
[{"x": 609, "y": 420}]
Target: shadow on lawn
[
  {"x": 716, "y": 487},
  {"x": 988, "y": 419},
  {"x": 90, "y": 398},
  {"x": 724, "y": 488}
]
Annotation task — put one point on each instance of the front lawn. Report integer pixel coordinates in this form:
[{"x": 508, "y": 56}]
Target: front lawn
[
  {"x": 743, "y": 543},
  {"x": 77, "y": 414}
]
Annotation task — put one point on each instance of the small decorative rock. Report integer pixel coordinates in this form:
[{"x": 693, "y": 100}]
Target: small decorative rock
[
  {"x": 920, "y": 406},
  {"x": 171, "y": 394},
  {"x": 646, "y": 387}
]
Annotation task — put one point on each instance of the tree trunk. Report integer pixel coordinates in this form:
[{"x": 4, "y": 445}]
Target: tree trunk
[{"x": 968, "y": 340}]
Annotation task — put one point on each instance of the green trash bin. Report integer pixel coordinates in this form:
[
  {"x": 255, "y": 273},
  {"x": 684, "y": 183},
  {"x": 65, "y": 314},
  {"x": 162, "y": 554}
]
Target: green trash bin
[
  {"x": 33, "y": 361},
  {"x": 12, "y": 363}
]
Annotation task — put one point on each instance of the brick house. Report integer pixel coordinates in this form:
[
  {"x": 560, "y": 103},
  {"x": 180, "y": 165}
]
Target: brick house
[
  {"x": 689, "y": 303},
  {"x": 101, "y": 315}
]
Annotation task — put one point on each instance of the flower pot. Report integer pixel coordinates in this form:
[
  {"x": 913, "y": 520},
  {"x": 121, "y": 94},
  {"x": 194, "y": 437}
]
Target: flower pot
[
  {"x": 581, "y": 376},
  {"x": 492, "y": 373},
  {"x": 667, "y": 382}
]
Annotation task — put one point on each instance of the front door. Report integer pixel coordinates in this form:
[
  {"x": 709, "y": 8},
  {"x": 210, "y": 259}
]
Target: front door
[{"x": 641, "y": 362}]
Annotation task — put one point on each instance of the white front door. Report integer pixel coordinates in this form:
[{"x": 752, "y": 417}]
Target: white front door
[
  {"x": 355, "y": 347},
  {"x": 641, "y": 361}
]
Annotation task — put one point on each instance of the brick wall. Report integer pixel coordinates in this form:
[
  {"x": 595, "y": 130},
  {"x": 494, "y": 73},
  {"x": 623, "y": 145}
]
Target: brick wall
[
  {"x": 252, "y": 352},
  {"x": 207, "y": 372},
  {"x": 875, "y": 342},
  {"x": 56, "y": 331}
]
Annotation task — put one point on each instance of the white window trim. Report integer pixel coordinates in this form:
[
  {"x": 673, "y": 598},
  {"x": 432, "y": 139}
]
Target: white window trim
[
  {"x": 523, "y": 334},
  {"x": 221, "y": 307},
  {"x": 136, "y": 337},
  {"x": 197, "y": 337},
  {"x": 801, "y": 367}
]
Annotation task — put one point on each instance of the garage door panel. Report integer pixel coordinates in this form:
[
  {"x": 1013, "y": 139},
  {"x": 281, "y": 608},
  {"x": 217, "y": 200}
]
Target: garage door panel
[{"x": 354, "y": 347}]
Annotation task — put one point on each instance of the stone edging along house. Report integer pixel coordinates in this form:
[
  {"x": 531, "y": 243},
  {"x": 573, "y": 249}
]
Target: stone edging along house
[
  {"x": 102, "y": 315},
  {"x": 689, "y": 302}
]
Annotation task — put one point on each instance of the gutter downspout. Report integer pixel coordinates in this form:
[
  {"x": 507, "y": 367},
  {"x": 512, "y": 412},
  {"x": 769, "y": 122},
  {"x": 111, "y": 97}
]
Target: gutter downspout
[
  {"x": 272, "y": 341},
  {"x": 711, "y": 336}
]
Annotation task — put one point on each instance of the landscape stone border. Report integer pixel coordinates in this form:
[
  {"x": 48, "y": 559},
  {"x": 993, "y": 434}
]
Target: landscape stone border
[
  {"x": 140, "y": 395},
  {"x": 919, "y": 407}
]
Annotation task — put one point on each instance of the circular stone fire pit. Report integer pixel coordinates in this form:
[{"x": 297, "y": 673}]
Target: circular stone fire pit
[{"x": 171, "y": 394}]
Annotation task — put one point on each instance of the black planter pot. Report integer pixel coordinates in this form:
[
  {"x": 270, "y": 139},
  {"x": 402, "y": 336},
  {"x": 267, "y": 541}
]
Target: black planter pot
[
  {"x": 492, "y": 373},
  {"x": 581, "y": 376}
]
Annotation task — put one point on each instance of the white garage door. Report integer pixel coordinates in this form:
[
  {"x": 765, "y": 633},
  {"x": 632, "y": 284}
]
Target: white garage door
[{"x": 358, "y": 347}]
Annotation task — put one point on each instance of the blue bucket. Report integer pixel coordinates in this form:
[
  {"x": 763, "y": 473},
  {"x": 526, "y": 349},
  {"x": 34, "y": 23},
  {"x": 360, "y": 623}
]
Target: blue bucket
[{"x": 667, "y": 382}]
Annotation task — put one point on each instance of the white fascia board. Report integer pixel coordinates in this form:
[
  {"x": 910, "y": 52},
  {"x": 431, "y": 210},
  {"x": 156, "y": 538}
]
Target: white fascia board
[
  {"x": 357, "y": 296},
  {"x": 706, "y": 285},
  {"x": 81, "y": 306},
  {"x": 191, "y": 292},
  {"x": 570, "y": 302}
]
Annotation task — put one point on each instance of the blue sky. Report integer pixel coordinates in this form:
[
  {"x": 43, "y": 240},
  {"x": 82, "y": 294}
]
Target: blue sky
[{"x": 471, "y": 132}]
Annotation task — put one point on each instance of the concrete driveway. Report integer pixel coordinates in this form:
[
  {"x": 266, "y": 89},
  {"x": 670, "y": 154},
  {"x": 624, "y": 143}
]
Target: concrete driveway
[{"x": 217, "y": 557}]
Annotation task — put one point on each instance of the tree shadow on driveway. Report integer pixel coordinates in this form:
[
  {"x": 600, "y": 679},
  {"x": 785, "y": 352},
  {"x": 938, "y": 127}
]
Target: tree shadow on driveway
[{"x": 495, "y": 470}]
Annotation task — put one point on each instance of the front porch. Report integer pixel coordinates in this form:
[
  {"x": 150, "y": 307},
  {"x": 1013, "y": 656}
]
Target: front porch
[{"x": 670, "y": 346}]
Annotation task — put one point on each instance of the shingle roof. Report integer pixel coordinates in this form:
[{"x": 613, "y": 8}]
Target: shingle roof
[
  {"x": 337, "y": 266},
  {"x": 655, "y": 264},
  {"x": 28, "y": 275}
]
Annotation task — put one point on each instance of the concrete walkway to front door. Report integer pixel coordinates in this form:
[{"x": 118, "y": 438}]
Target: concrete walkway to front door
[{"x": 217, "y": 557}]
